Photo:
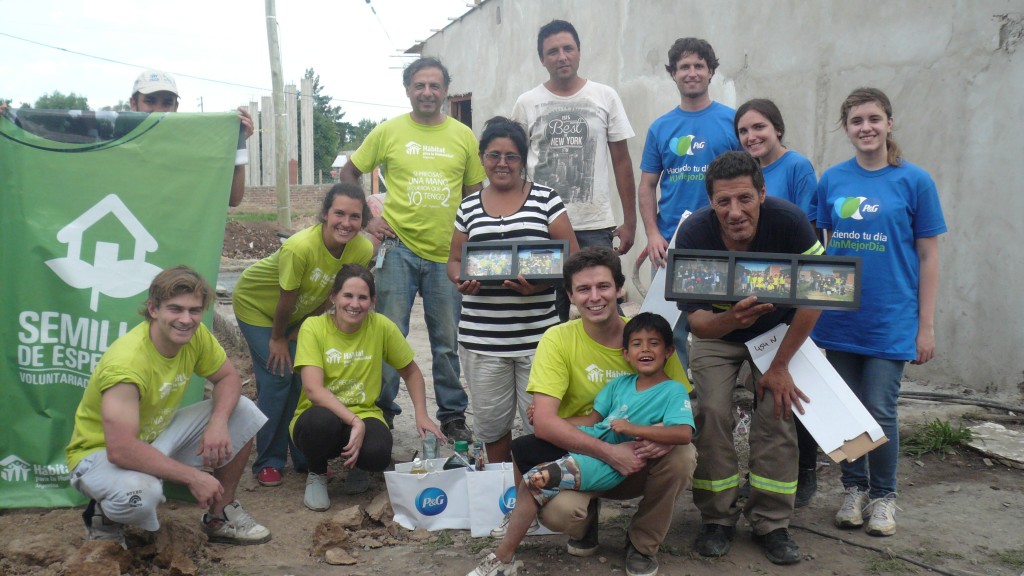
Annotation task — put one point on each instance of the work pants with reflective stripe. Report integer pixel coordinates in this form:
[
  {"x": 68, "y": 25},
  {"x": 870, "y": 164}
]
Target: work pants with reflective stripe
[{"x": 773, "y": 447}]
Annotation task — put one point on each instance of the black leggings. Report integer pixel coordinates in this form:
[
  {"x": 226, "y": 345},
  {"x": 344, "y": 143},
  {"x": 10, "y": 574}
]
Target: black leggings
[
  {"x": 529, "y": 451},
  {"x": 321, "y": 435}
]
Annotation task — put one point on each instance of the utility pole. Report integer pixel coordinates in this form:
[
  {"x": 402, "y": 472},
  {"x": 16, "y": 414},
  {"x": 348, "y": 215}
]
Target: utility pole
[
  {"x": 284, "y": 216},
  {"x": 200, "y": 99}
]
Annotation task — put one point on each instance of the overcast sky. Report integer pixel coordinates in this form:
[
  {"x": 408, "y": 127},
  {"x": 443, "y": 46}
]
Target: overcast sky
[{"x": 222, "y": 43}]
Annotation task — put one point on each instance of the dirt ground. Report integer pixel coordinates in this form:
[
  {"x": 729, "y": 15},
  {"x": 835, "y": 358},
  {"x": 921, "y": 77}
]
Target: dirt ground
[{"x": 961, "y": 515}]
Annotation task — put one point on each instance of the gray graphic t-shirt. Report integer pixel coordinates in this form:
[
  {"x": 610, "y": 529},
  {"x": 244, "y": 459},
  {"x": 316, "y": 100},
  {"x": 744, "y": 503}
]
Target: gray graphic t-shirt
[{"x": 569, "y": 138}]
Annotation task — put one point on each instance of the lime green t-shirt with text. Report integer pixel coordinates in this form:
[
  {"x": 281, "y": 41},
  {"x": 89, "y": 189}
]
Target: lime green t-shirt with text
[
  {"x": 352, "y": 363},
  {"x": 425, "y": 168},
  {"x": 161, "y": 381},
  {"x": 303, "y": 263},
  {"x": 571, "y": 366}
]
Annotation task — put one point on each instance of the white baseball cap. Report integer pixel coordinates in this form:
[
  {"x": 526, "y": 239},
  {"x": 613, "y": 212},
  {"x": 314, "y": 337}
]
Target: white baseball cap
[{"x": 152, "y": 81}]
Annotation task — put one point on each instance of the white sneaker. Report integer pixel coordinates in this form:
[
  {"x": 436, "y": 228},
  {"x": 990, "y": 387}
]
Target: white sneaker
[
  {"x": 851, "y": 513},
  {"x": 235, "y": 527},
  {"x": 316, "y": 498},
  {"x": 499, "y": 532},
  {"x": 491, "y": 566},
  {"x": 883, "y": 516}
]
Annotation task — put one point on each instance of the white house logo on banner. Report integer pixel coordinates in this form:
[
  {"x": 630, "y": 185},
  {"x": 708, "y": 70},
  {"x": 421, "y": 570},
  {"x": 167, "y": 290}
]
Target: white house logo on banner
[
  {"x": 107, "y": 275},
  {"x": 14, "y": 469}
]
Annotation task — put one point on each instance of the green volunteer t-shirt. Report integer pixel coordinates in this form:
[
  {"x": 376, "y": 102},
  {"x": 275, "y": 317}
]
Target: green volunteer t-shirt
[
  {"x": 571, "y": 366},
  {"x": 352, "y": 363},
  {"x": 161, "y": 381},
  {"x": 302, "y": 262},
  {"x": 425, "y": 169}
]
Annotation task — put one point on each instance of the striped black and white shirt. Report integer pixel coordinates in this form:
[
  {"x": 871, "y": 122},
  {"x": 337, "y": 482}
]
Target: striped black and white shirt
[{"x": 499, "y": 321}]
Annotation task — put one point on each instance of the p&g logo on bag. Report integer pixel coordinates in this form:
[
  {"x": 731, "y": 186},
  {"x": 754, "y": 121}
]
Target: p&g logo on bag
[
  {"x": 508, "y": 500},
  {"x": 431, "y": 502}
]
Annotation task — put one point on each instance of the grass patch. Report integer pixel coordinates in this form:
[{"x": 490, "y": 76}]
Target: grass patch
[
  {"x": 1013, "y": 557},
  {"x": 678, "y": 551},
  {"x": 444, "y": 540},
  {"x": 888, "y": 565},
  {"x": 253, "y": 217},
  {"x": 938, "y": 436},
  {"x": 476, "y": 545},
  {"x": 933, "y": 555},
  {"x": 620, "y": 522}
]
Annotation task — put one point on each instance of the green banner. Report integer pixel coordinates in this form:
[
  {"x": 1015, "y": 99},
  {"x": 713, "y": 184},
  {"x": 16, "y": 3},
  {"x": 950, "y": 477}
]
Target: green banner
[{"x": 94, "y": 205}]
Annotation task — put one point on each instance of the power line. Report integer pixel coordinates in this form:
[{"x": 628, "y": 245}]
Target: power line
[{"x": 181, "y": 74}]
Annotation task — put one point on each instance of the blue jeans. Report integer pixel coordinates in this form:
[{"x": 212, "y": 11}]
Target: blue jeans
[
  {"x": 403, "y": 275},
  {"x": 277, "y": 397},
  {"x": 876, "y": 382},
  {"x": 585, "y": 238}
]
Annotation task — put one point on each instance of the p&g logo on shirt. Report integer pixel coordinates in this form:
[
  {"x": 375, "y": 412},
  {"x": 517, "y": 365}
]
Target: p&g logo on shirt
[
  {"x": 686, "y": 145},
  {"x": 856, "y": 207},
  {"x": 431, "y": 502},
  {"x": 508, "y": 500}
]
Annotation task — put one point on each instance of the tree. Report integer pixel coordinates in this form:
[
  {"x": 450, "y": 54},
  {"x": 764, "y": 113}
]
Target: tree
[
  {"x": 354, "y": 135},
  {"x": 58, "y": 101},
  {"x": 121, "y": 106},
  {"x": 327, "y": 126}
]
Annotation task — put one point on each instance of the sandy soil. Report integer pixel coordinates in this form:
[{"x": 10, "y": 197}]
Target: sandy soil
[{"x": 960, "y": 515}]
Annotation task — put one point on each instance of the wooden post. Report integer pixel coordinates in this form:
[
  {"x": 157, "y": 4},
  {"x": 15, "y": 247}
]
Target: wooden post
[
  {"x": 284, "y": 216},
  {"x": 252, "y": 173},
  {"x": 293, "y": 130},
  {"x": 306, "y": 131}
]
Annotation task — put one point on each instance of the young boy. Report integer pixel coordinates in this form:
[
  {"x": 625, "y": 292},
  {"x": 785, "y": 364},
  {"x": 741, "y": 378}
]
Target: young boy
[{"x": 647, "y": 404}]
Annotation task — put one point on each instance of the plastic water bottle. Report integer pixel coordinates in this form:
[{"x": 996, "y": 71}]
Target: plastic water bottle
[
  {"x": 430, "y": 450},
  {"x": 461, "y": 458},
  {"x": 418, "y": 467},
  {"x": 480, "y": 455}
]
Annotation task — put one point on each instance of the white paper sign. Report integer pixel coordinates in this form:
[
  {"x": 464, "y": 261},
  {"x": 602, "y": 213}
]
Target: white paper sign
[
  {"x": 835, "y": 416},
  {"x": 655, "y": 299}
]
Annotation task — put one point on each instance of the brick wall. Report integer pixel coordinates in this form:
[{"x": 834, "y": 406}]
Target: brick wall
[{"x": 304, "y": 199}]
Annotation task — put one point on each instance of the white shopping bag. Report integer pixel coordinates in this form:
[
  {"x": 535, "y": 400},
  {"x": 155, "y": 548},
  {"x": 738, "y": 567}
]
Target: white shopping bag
[
  {"x": 434, "y": 501},
  {"x": 492, "y": 494}
]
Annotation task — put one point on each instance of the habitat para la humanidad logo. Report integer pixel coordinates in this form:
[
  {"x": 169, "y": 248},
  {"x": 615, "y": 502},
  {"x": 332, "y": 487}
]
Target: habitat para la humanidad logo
[{"x": 13, "y": 468}]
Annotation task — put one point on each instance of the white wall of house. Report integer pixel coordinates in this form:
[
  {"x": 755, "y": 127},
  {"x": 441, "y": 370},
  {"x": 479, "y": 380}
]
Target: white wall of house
[{"x": 951, "y": 69}]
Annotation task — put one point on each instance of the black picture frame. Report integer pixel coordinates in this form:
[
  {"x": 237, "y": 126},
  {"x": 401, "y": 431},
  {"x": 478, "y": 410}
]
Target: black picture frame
[
  {"x": 704, "y": 275},
  {"x": 491, "y": 263},
  {"x": 799, "y": 280},
  {"x": 541, "y": 261},
  {"x": 488, "y": 262}
]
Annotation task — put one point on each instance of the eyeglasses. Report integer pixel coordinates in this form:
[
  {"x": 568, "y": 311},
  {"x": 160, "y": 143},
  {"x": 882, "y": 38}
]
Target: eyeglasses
[{"x": 495, "y": 157}]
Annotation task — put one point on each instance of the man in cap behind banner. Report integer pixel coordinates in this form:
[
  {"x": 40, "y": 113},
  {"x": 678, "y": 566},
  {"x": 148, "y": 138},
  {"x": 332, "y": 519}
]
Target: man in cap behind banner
[{"x": 156, "y": 91}]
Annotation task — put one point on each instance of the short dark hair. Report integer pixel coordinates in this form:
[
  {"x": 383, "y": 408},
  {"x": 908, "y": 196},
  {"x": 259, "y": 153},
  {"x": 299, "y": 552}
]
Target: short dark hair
[
  {"x": 350, "y": 190},
  {"x": 647, "y": 321},
  {"x": 174, "y": 282},
  {"x": 733, "y": 164},
  {"x": 422, "y": 63},
  {"x": 350, "y": 271},
  {"x": 765, "y": 108},
  {"x": 553, "y": 469},
  {"x": 552, "y": 28},
  {"x": 590, "y": 257},
  {"x": 696, "y": 46},
  {"x": 501, "y": 127}
]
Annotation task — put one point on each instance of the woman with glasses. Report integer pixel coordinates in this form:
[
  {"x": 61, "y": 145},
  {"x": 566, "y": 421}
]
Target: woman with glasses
[{"x": 500, "y": 326}]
